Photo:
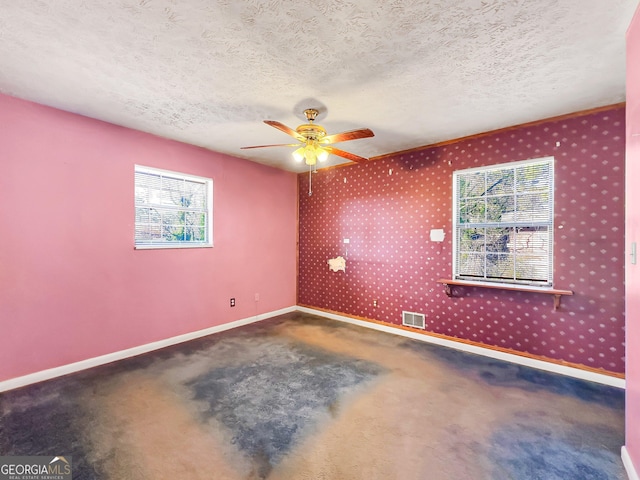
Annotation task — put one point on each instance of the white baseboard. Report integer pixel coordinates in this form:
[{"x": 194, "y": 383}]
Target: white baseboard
[
  {"x": 131, "y": 352},
  {"x": 628, "y": 465},
  {"x": 487, "y": 352}
]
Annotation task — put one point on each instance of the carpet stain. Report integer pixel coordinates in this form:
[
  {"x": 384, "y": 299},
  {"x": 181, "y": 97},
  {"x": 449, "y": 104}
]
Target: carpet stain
[
  {"x": 532, "y": 451},
  {"x": 269, "y": 405},
  {"x": 143, "y": 430}
]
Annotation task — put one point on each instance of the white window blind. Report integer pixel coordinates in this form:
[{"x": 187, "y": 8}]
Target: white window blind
[
  {"x": 504, "y": 223},
  {"x": 172, "y": 209}
]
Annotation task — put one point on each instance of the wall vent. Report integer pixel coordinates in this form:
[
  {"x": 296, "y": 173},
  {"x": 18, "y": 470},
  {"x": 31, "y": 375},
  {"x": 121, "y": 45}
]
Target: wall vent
[{"x": 410, "y": 319}]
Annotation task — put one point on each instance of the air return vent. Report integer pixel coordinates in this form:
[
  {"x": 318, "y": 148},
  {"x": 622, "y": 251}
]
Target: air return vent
[{"x": 410, "y": 319}]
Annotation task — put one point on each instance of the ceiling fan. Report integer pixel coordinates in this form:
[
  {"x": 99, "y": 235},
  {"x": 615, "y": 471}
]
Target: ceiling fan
[{"x": 314, "y": 143}]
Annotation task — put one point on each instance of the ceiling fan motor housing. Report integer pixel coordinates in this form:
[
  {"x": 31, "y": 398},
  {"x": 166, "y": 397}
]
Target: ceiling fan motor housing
[{"x": 311, "y": 132}]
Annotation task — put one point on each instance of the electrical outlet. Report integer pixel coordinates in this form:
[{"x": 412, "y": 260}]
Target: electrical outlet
[
  {"x": 375, "y": 303},
  {"x": 257, "y": 297},
  {"x": 232, "y": 302}
]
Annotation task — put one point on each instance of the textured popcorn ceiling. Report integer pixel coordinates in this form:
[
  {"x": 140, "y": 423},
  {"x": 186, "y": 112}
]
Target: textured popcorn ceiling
[{"x": 416, "y": 72}]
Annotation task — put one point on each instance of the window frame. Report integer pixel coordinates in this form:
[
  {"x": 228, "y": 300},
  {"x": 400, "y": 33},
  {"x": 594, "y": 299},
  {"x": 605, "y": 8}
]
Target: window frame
[
  {"x": 208, "y": 210},
  {"x": 456, "y": 225}
]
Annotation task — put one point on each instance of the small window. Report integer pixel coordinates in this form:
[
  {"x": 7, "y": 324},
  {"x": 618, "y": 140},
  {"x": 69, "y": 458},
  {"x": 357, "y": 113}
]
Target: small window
[
  {"x": 173, "y": 210},
  {"x": 503, "y": 223}
]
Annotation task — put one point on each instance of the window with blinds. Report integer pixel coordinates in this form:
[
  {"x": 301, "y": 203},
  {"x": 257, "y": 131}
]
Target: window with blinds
[
  {"x": 172, "y": 209},
  {"x": 503, "y": 222}
]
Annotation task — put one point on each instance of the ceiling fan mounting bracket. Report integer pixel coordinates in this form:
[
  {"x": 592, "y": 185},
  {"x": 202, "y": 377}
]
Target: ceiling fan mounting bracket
[{"x": 311, "y": 114}]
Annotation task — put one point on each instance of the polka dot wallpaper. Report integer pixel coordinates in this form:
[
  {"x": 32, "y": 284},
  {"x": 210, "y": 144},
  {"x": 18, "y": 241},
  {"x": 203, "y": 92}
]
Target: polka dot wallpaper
[{"x": 386, "y": 209}]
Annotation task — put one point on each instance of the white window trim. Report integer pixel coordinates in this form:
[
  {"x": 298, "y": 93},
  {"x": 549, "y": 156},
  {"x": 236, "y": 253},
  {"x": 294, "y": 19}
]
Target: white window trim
[
  {"x": 484, "y": 282},
  {"x": 209, "y": 185}
]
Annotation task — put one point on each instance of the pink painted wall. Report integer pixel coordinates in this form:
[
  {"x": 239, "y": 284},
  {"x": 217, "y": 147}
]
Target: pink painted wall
[
  {"x": 633, "y": 235},
  {"x": 72, "y": 286},
  {"x": 387, "y": 207}
]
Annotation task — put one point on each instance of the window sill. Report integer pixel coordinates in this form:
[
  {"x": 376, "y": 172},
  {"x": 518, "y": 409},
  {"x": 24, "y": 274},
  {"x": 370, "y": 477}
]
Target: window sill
[{"x": 557, "y": 294}]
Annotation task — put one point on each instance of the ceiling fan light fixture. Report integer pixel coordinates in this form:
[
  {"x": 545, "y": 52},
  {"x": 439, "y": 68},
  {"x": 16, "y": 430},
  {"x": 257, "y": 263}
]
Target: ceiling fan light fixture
[
  {"x": 322, "y": 154},
  {"x": 310, "y": 155},
  {"x": 298, "y": 154}
]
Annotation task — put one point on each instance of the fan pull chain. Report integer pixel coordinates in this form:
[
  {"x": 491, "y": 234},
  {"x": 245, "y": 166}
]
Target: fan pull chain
[{"x": 310, "y": 180}]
